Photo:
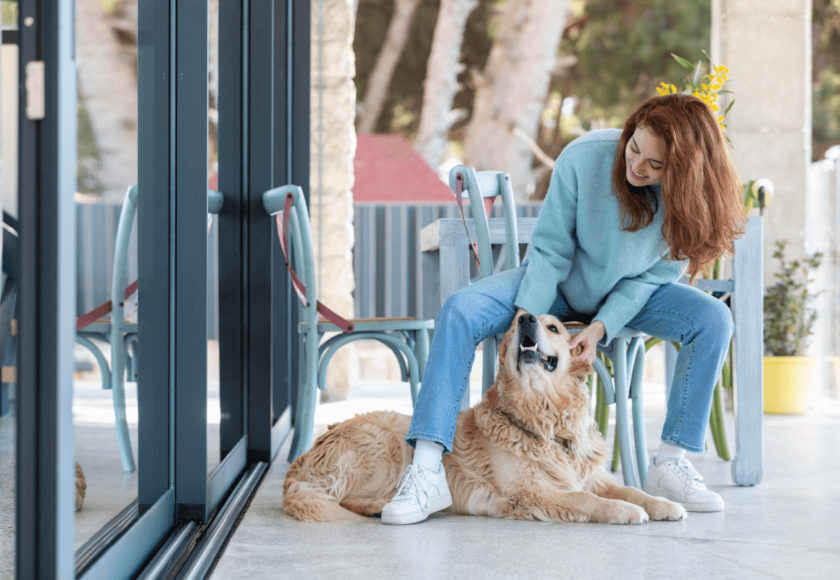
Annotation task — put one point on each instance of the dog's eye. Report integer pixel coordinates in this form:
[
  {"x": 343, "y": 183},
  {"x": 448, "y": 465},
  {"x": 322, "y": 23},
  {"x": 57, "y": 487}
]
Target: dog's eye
[{"x": 553, "y": 329}]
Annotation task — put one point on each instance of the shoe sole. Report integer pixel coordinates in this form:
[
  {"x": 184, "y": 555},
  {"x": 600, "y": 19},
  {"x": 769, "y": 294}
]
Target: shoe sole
[
  {"x": 440, "y": 503},
  {"x": 706, "y": 507}
]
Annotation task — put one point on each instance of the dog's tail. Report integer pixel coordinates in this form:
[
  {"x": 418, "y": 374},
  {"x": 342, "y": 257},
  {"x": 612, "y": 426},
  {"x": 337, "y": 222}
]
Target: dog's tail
[{"x": 312, "y": 499}]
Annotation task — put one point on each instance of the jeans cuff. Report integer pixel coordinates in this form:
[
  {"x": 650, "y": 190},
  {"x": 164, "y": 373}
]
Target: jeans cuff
[
  {"x": 682, "y": 445},
  {"x": 411, "y": 438}
]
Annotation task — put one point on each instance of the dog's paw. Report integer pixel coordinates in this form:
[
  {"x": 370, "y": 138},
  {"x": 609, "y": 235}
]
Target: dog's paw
[
  {"x": 627, "y": 513},
  {"x": 662, "y": 509}
]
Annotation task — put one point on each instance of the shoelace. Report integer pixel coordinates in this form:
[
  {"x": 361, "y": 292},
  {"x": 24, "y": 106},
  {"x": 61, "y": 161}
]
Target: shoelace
[
  {"x": 685, "y": 466},
  {"x": 407, "y": 488}
]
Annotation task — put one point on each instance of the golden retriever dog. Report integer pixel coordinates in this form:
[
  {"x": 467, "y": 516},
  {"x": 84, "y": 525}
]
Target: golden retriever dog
[{"x": 528, "y": 450}]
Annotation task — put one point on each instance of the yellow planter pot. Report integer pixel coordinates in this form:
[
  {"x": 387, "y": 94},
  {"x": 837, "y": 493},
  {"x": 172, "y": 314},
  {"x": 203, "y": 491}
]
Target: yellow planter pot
[{"x": 787, "y": 382}]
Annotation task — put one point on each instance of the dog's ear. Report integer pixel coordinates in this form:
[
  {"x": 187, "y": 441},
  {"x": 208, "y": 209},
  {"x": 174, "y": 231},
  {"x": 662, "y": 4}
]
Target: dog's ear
[{"x": 579, "y": 368}]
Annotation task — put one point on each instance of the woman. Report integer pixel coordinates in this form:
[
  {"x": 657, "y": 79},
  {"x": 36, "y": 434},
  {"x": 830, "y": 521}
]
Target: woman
[{"x": 627, "y": 211}]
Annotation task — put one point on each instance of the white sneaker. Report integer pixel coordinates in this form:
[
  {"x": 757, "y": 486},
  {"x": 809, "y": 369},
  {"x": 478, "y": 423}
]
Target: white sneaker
[
  {"x": 677, "y": 480},
  {"x": 420, "y": 492}
]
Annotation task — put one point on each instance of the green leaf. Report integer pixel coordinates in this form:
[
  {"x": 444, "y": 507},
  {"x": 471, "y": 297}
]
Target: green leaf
[
  {"x": 729, "y": 107},
  {"x": 721, "y": 92},
  {"x": 683, "y": 63}
]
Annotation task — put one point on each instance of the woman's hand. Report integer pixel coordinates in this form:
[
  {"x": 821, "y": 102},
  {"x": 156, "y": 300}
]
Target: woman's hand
[{"x": 588, "y": 338}]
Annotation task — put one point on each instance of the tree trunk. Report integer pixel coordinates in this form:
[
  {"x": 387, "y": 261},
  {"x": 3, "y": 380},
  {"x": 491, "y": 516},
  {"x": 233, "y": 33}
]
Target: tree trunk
[
  {"x": 383, "y": 70},
  {"x": 511, "y": 91},
  {"x": 441, "y": 82}
]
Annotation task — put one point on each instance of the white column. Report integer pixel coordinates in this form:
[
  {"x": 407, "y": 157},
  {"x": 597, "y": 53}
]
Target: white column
[
  {"x": 767, "y": 47},
  {"x": 333, "y": 147}
]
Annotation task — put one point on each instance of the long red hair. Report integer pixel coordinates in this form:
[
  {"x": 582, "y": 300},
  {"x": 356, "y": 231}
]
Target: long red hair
[{"x": 704, "y": 210}]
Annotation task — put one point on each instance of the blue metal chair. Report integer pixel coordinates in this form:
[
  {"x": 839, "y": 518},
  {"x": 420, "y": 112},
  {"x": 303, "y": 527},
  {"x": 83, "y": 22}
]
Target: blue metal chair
[
  {"x": 626, "y": 350},
  {"x": 411, "y": 352},
  {"x": 478, "y": 187},
  {"x": 118, "y": 331}
]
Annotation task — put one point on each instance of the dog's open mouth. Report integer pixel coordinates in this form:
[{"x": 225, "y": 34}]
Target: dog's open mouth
[{"x": 530, "y": 354}]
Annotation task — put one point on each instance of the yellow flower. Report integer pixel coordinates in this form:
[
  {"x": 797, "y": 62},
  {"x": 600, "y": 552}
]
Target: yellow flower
[
  {"x": 673, "y": 89},
  {"x": 714, "y": 107}
]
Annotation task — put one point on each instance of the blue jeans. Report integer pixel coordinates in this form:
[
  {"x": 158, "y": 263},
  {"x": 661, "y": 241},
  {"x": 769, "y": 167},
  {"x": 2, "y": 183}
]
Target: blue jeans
[{"x": 675, "y": 312}]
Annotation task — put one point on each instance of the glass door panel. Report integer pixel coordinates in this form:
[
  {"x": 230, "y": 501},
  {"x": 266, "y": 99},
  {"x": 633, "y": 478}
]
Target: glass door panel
[
  {"x": 8, "y": 285},
  {"x": 105, "y": 409},
  {"x": 214, "y": 414}
]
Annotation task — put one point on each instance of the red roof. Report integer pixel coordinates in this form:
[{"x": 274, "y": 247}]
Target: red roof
[{"x": 389, "y": 170}]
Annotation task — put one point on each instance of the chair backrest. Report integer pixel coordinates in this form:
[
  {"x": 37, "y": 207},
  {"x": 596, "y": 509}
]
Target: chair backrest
[
  {"x": 300, "y": 239},
  {"x": 477, "y": 187},
  {"x": 120, "y": 276}
]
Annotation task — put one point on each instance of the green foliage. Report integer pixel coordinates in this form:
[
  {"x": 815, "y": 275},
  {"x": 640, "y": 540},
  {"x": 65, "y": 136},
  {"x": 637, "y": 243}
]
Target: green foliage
[
  {"x": 9, "y": 12},
  {"x": 624, "y": 51},
  {"x": 826, "y": 75},
  {"x": 787, "y": 318},
  {"x": 87, "y": 154}
]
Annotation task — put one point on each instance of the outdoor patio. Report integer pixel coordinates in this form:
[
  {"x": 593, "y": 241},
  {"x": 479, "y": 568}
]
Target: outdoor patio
[{"x": 785, "y": 527}]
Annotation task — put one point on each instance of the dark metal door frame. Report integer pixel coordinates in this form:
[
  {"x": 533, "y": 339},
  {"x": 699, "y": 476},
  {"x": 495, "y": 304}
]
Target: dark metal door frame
[{"x": 47, "y": 178}]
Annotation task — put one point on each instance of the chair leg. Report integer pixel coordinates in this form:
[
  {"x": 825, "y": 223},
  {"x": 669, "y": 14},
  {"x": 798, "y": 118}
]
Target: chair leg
[
  {"x": 307, "y": 399},
  {"x": 488, "y": 374},
  {"x": 422, "y": 350},
  {"x": 639, "y": 436},
  {"x": 622, "y": 395},
  {"x": 118, "y": 394},
  {"x": 670, "y": 366},
  {"x": 104, "y": 369}
]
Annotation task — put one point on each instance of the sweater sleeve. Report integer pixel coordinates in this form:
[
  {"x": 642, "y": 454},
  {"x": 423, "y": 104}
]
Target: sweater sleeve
[
  {"x": 629, "y": 295},
  {"x": 552, "y": 243}
]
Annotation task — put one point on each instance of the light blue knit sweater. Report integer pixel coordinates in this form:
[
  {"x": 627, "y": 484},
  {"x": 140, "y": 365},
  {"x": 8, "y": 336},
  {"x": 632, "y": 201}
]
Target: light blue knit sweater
[{"x": 579, "y": 248}]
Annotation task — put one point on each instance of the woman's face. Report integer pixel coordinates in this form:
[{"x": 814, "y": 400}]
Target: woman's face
[{"x": 645, "y": 157}]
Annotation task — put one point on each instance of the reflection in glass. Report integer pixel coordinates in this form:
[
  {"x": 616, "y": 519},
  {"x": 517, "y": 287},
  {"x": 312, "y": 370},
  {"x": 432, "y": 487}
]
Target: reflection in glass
[
  {"x": 213, "y": 398},
  {"x": 8, "y": 291},
  {"x": 104, "y": 415}
]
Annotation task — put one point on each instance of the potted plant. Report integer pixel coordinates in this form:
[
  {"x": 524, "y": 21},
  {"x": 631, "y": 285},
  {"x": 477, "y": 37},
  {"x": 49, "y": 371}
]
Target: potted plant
[{"x": 787, "y": 325}]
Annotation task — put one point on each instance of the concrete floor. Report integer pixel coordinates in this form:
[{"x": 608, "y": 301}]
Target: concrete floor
[{"x": 786, "y": 527}]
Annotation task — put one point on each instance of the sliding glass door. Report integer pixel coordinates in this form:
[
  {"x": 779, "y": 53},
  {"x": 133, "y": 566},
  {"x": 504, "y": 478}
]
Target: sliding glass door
[{"x": 153, "y": 354}]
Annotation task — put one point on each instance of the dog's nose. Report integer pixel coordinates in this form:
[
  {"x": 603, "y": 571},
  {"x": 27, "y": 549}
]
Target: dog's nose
[{"x": 527, "y": 318}]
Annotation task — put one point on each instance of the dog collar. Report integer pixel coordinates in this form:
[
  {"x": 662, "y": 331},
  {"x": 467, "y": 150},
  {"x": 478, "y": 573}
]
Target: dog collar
[{"x": 565, "y": 443}]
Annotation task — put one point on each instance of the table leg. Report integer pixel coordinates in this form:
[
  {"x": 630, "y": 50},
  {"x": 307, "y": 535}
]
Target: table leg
[
  {"x": 431, "y": 284},
  {"x": 747, "y": 466}
]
